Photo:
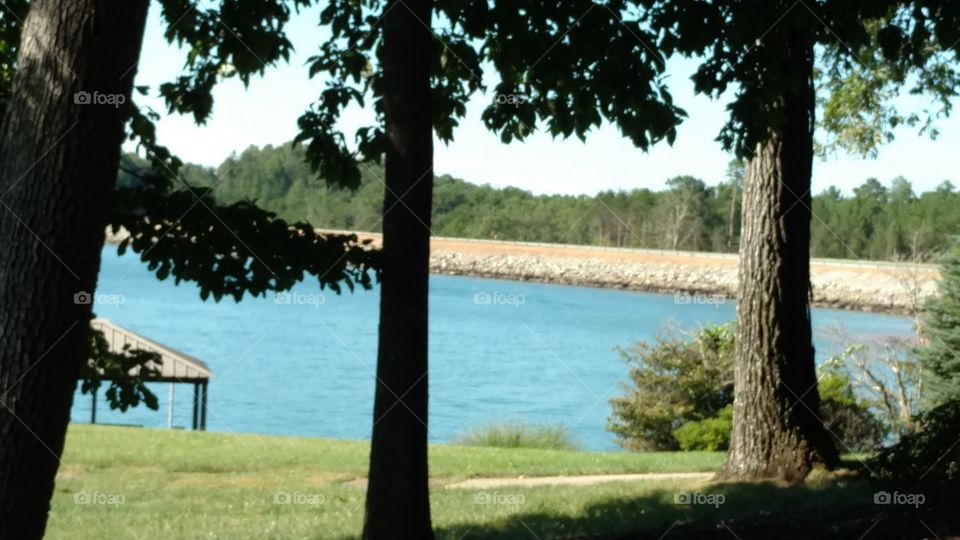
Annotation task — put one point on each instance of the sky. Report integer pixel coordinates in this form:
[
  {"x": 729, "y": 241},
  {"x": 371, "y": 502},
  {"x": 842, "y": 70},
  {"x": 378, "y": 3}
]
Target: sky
[{"x": 266, "y": 113}]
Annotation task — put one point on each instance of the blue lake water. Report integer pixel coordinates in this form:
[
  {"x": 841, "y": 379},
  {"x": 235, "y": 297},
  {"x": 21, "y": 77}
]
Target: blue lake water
[{"x": 499, "y": 351}]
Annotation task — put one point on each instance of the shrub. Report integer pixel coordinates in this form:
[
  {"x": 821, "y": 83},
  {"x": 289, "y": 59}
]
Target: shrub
[
  {"x": 846, "y": 416},
  {"x": 516, "y": 435},
  {"x": 681, "y": 397},
  {"x": 712, "y": 434},
  {"x": 930, "y": 455},
  {"x": 678, "y": 379}
]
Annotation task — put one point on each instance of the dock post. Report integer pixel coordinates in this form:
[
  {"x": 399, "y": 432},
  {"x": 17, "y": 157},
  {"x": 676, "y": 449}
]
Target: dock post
[
  {"x": 170, "y": 408},
  {"x": 196, "y": 404},
  {"x": 203, "y": 406}
]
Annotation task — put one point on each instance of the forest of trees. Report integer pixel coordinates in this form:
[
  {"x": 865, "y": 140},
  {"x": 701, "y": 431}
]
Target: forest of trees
[{"x": 882, "y": 222}]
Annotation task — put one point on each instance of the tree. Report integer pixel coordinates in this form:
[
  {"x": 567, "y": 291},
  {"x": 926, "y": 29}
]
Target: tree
[
  {"x": 57, "y": 191},
  {"x": 940, "y": 357},
  {"x": 398, "y": 472},
  {"x": 683, "y": 209},
  {"x": 766, "y": 50},
  {"x": 573, "y": 66},
  {"x": 886, "y": 375},
  {"x": 59, "y": 152},
  {"x": 735, "y": 174}
]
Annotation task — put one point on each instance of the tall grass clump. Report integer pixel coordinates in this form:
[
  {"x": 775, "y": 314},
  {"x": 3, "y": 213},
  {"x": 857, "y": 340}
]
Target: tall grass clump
[{"x": 518, "y": 435}]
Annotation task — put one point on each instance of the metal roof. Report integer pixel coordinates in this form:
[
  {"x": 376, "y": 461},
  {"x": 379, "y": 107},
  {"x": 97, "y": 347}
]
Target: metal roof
[{"x": 175, "y": 365}]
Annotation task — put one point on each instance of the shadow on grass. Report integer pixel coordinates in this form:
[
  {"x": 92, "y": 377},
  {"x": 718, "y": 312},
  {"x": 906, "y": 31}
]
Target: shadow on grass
[{"x": 839, "y": 510}]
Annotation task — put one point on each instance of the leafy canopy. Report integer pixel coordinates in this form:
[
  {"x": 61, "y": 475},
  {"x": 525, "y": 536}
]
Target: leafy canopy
[
  {"x": 570, "y": 65},
  {"x": 869, "y": 51}
]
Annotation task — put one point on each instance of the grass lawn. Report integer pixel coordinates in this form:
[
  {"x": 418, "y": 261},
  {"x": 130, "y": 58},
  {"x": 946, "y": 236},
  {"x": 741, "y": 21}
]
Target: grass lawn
[{"x": 140, "y": 483}]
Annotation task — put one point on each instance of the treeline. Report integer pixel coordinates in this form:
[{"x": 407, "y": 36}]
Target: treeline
[{"x": 876, "y": 222}]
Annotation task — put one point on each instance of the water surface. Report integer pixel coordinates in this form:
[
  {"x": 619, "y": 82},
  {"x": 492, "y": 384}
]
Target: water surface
[{"x": 499, "y": 351}]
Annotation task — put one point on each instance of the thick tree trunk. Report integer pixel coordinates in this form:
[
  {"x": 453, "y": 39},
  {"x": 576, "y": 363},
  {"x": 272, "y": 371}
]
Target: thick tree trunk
[
  {"x": 58, "y": 165},
  {"x": 398, "y": 501},
  {"x": 777, "y": 431}
]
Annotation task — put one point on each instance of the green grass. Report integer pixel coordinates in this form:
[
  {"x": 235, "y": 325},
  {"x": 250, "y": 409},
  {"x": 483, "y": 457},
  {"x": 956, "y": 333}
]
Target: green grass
[
  {"x": 516, "y": 435},
  {"x": 160, "y": 484}
]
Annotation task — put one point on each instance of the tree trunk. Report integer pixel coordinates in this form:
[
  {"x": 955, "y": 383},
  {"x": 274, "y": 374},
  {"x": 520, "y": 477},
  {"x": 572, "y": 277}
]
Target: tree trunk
[
  {"x": 58, "y": 165},
  {"x": 398, "y": 501},
  {"x": 777, "y": 431}
]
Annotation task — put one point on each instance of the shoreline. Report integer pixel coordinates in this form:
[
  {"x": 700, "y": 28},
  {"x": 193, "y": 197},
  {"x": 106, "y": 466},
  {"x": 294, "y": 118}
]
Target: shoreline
[{"x": 866, "y": 286}]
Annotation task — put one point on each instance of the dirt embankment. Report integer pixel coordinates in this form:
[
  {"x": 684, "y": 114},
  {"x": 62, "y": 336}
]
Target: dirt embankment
[{"x": 693, "y": 277}]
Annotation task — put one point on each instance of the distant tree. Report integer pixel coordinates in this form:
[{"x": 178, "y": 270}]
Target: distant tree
[
  {"x": 736, "y": 170},
  {"x": 683, "y": 210}
]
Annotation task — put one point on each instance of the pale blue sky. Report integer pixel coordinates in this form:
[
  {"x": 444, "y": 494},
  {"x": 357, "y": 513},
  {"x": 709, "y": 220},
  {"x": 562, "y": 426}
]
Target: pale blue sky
[{"x": 266, "y": 113}]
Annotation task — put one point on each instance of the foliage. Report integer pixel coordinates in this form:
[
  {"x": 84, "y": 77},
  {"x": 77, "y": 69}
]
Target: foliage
[
  {"x": 678, "y": 379},
  {"x": 127, "y": 372},
  {"x": 712, "y": 434},
  {"x": 846, "y": 416},
  {"x": 11, "y": 21},
  {"x": 876, "y": 222},
  {"x": 681, "y": 397},
  {"x": 885, "y": 376},
  {"x": 930, "y": 455},
  {"x": 940, "y": 357},
  {"x": 517, "y": 435},
  {"x": 598, "y": 69},
  {"x": 869, "y": 51},
  {"x": 884, "y": 223}
]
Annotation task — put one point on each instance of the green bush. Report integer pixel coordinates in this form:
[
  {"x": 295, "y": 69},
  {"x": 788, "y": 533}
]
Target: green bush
[
  {"x": 846, "y": 416},
  {"x": 516, "y": 435},
  {"x": 712, "y": 434},
  {"x": 930, "y": 455},
  {"x": 681, "y": 397},
  {"x": 678, "y": 379}
]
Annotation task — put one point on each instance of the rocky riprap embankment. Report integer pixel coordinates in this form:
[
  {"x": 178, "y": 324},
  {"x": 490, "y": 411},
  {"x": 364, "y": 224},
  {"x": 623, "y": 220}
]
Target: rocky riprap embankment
[
  {"x": 843, "y": 287},
  {"x": 694, "y": 277}
]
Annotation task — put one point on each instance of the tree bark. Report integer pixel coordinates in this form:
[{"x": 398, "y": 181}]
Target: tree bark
[
  {"x": 58, "y": 166},
  {"x": 777, "y": 430},
  {"x": 398, "y": 501}
]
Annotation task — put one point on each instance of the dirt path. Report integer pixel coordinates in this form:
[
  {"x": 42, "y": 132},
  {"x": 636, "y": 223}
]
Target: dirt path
[{"x": 587, "y": 480}]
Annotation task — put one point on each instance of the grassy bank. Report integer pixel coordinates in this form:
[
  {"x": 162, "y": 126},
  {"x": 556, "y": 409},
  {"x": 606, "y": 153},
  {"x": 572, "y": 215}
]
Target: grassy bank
[{"x": 139, "y": 483}]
